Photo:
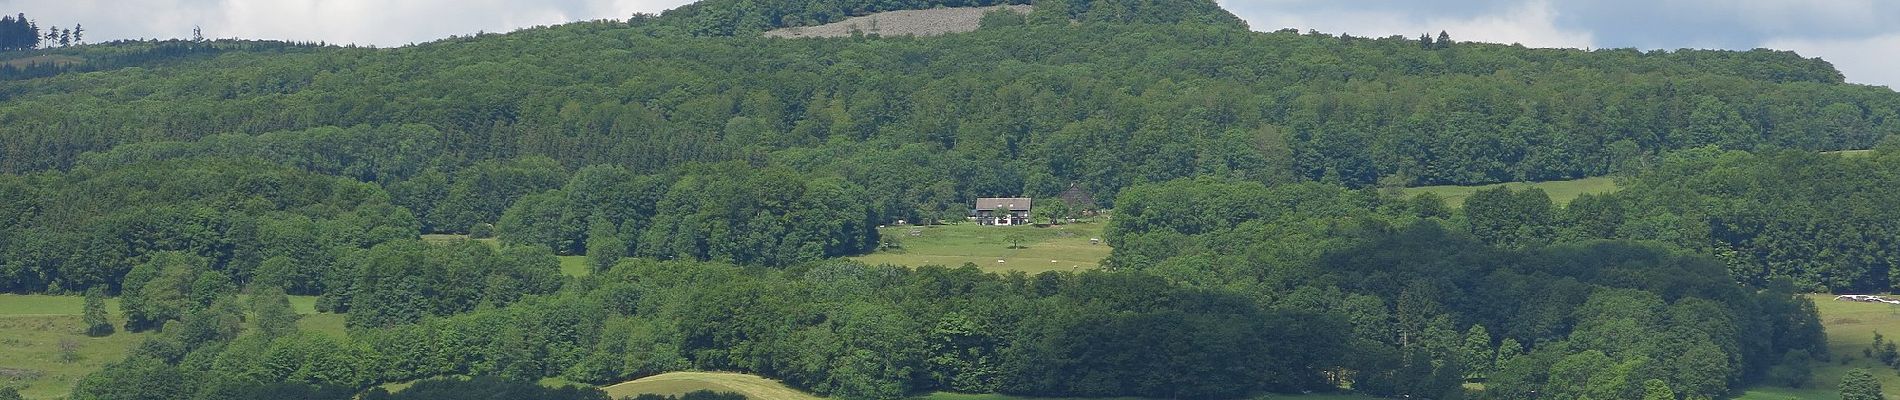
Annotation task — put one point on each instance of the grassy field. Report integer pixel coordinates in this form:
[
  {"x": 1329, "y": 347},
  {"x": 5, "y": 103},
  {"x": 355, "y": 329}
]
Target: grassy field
[
  {"x": 1056, "y": 248},
  {"x": 676, "y": 383},
  {"x": 34, "y": 332},
  {"x": 36, "y": 361},
  {"x": 1560, "y": 191},
  {"x": 575, "y": 266},
  {"x": 757, "y": 388},
  {"x": 33, "y": 327},
  {"x": 1850, "y": 328},
  {"x": 1851, "y": 153},
  {"x": 1775, "y": 393},
  {"x": 439, "y": 238}
]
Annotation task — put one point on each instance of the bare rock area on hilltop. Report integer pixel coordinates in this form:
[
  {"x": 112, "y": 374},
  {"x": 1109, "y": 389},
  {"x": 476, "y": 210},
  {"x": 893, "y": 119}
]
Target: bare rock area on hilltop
[{"x": 930, "y": 22}]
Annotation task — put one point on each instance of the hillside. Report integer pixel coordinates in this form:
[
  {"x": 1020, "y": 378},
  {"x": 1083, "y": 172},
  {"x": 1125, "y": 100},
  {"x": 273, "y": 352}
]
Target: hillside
[
  {"x": 682, "y": 192},
  {"x": 932, "y": 22}
]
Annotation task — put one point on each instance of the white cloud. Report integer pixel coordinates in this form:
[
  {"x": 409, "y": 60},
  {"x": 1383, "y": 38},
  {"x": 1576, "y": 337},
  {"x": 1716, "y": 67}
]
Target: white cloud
[
  {"x": 1873, "y": 60},
  {"x": 1532, "y": 23}
]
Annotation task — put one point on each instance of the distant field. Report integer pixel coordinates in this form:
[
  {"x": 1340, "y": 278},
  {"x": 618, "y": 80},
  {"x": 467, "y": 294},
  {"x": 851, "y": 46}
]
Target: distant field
[
  {"x": 953, "y": 245},
  {"x": 439, "y": 238},
  {"x": 931, "y": 22},
  {"x": 575, "y": 266},
  {"x": 676, "y": 383},
  {"x": 32, "y": 327},
  {"x": 1851, "y": 153},
  {"x": 1560, "y": 191},
  {"x": 1811, "y": 393}
]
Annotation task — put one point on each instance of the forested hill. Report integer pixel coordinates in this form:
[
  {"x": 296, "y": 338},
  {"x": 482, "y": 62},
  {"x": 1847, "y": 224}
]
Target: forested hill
[{"x": 715, "y": 179}]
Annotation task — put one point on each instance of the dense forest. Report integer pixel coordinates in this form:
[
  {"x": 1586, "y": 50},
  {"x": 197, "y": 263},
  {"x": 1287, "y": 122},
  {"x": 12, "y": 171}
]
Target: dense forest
[{"x": 713, "y": 179}]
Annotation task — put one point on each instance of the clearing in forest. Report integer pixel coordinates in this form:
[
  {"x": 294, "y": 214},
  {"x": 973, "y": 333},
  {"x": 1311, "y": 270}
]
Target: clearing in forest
[
  {"x": 1067, "y": 247},
  {"x": 932, "y": 22},
  {"x": 1561, "y": 192},
  {"x": 1850, "y": 329},
  {"x": 677, "y": 383}
]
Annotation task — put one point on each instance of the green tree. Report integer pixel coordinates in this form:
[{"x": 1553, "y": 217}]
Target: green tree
[
  {"x": 274, "y": 316},
  {"x": 1859, "y": 384},
  {"x": 1656, "y": 389},
  {"x": 95, "y": 318},
  {"x": 1477, "y": 354},
  {"x": 604, "y": 247}
]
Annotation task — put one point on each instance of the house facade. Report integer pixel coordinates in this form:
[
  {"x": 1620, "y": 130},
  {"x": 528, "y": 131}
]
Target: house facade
[{"x": 1002, "y": 210}]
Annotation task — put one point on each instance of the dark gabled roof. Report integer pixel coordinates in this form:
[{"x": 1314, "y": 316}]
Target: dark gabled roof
[{"x": 997, "y": 203}]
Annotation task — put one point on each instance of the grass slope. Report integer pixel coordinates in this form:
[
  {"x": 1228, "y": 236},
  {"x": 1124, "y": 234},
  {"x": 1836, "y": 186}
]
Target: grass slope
[
  {"x": 677, "y": 383},
  {"x": 953, "y": 245},
  {"x": 1560, "y": 191},
  {"x": 32, "y": 328},
  {"x": 34, "y": 361}
]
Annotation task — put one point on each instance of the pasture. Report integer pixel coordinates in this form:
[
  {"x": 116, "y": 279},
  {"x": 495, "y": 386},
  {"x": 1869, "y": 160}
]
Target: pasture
[
  {"x": 1055, "y": 248},
  {"x": 1850, "y": 329},
  {"x": 1561, "y": 192},
  {"x": 47, "y": 351}
]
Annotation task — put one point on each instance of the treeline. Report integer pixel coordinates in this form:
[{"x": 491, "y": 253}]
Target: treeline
[
  {"x": 983, "y": 114},
  {"x": 128, "y": 53},
  {"x": 251, "y": 221},
  {"x": 1820, "y": 221},
  {"x": 838, "y": 328},
  {"x": 1430, "y": 307}
]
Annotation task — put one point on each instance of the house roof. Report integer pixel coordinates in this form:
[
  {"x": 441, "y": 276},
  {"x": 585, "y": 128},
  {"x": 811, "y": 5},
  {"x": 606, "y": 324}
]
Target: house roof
[{"x": 995, "y": 203}]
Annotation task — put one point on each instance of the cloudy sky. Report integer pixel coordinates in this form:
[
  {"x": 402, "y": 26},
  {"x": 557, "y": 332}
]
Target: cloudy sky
[{"x": 1861, "y": 37}]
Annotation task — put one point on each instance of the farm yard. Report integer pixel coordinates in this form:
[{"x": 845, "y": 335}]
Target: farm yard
[{"x": 1056, "y": 248}]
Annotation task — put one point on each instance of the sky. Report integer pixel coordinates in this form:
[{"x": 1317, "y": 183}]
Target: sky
[{"x": 1861, "y": 37}]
